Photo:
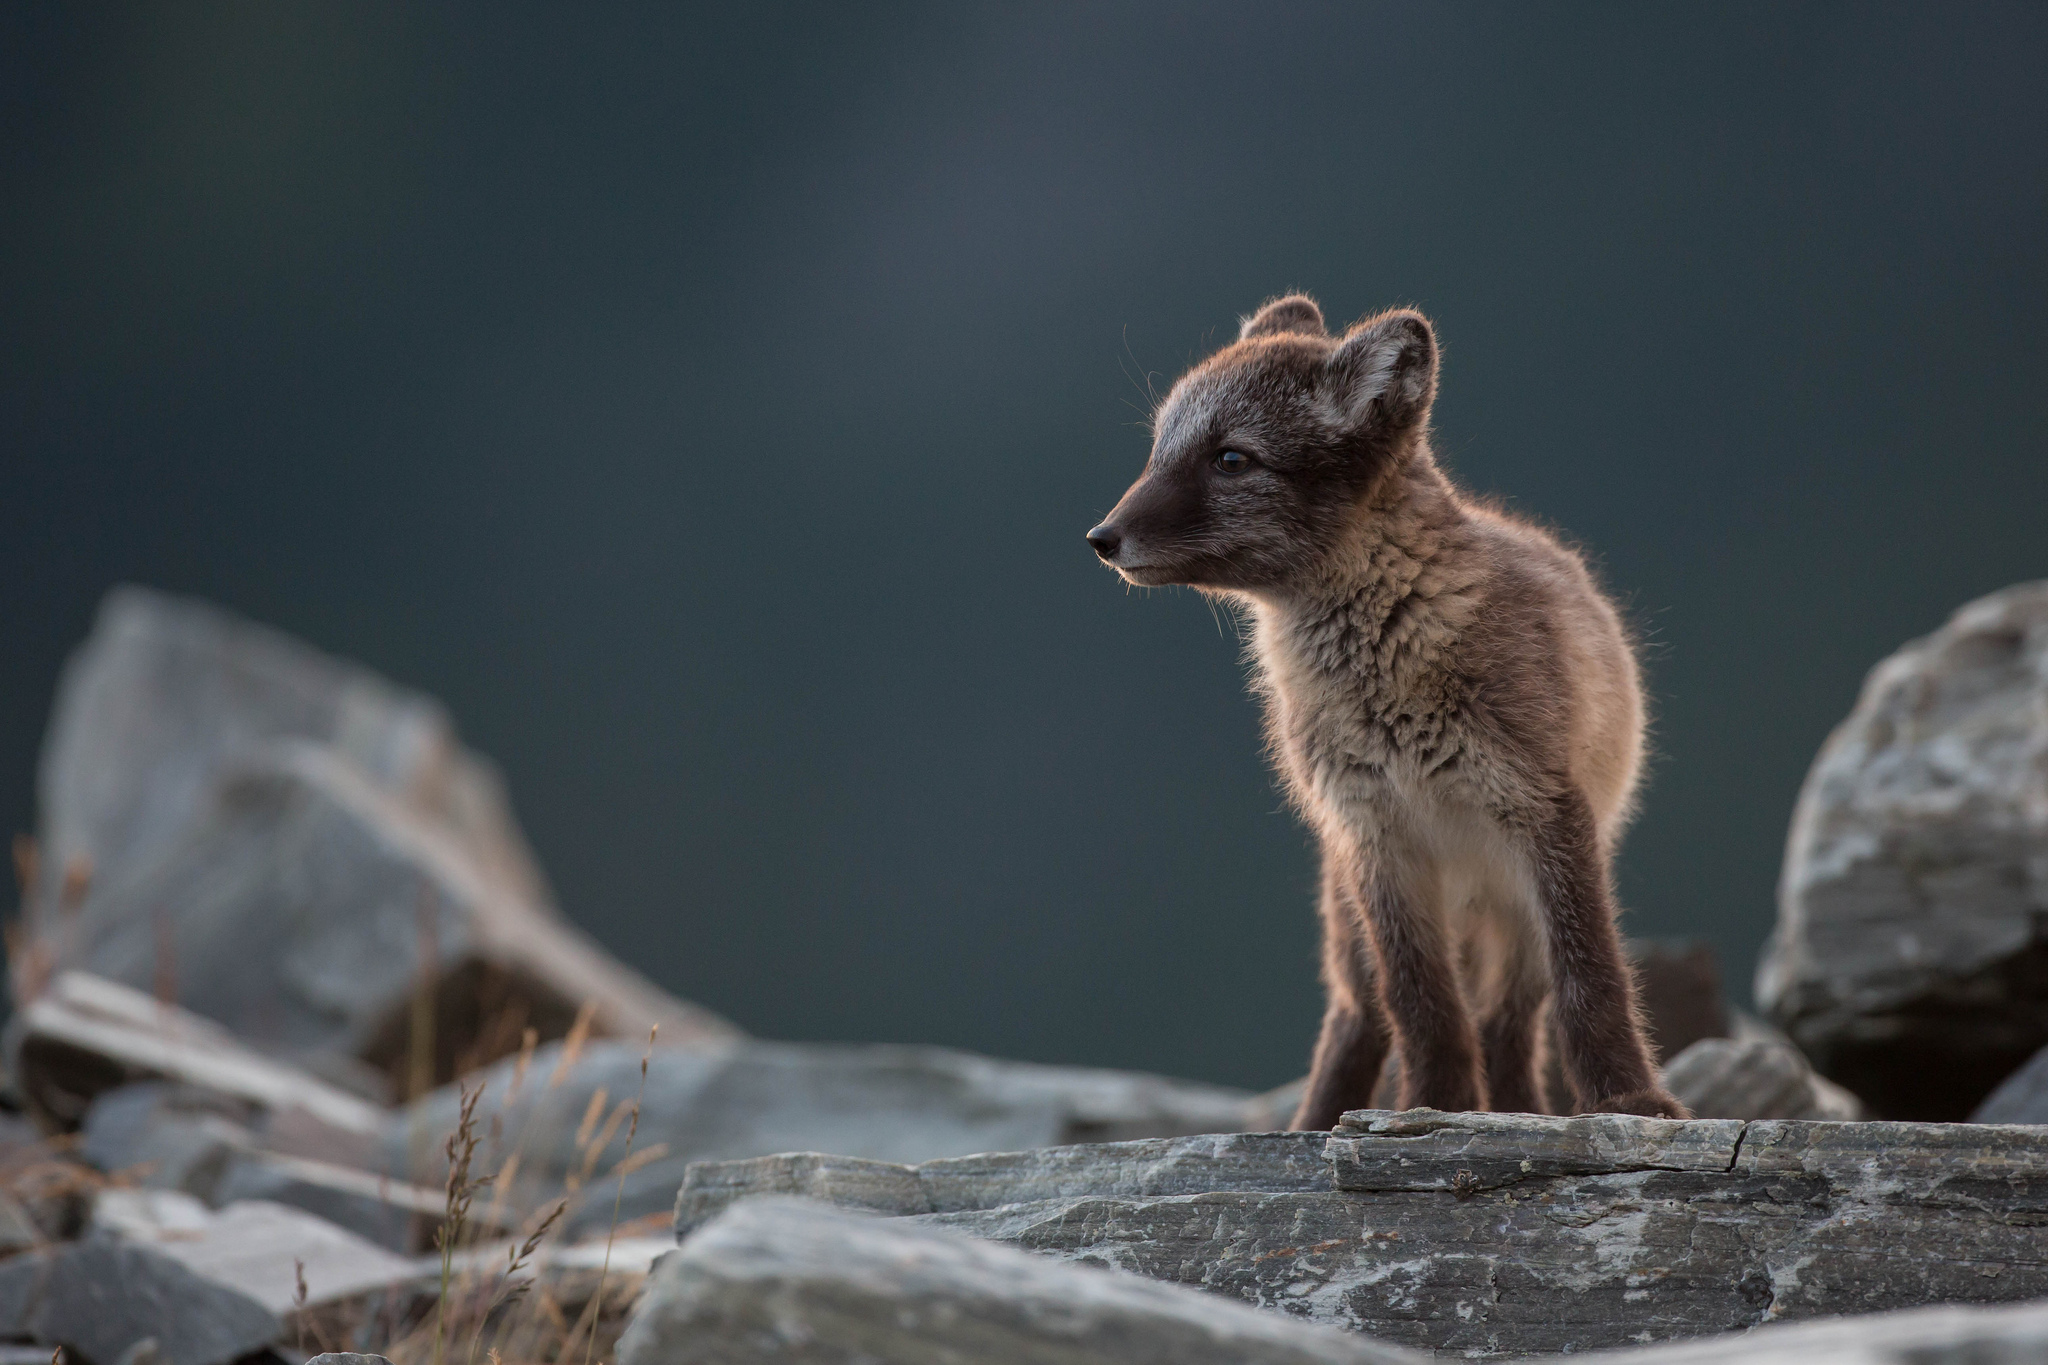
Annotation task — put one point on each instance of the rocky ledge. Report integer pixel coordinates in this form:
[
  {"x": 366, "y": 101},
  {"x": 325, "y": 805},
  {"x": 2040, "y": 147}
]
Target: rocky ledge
[{"x": 1497, "y": 1234}]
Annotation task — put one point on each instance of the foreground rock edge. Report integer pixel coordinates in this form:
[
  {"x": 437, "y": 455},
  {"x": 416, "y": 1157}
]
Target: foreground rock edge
[
  {"x": 1498, "y": 1235},
  {"x": 780, "y": 1279},
  {"x": 787, "y": 1280}
]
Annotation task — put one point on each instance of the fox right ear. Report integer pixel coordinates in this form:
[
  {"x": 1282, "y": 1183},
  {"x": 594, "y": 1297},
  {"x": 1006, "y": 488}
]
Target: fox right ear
[{"x": 1294, "y": 313}]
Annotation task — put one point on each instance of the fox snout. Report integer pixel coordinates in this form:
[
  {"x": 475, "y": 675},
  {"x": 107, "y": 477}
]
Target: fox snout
[{"x": 1106, "y": 540}]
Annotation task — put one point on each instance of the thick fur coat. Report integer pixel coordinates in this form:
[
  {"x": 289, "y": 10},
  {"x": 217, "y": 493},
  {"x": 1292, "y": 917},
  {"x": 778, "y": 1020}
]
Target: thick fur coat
[{"x": 1453, "y": 705}]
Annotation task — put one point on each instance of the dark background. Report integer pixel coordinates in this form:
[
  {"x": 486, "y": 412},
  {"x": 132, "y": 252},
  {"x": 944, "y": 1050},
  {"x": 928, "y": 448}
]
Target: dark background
[{"x": 708, "y": 409}]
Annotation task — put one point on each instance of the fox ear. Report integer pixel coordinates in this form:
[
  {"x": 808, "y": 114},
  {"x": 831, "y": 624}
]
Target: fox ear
[
  {"x": 1294, "y": 313},
  {"x": 1385, "y": 371}
]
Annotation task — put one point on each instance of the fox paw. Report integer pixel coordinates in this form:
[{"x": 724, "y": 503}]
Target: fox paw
[{"x": 1655, "y": 1102}]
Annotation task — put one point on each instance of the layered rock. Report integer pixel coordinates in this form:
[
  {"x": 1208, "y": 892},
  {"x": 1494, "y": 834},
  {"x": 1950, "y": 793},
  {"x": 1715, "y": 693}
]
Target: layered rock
[
  {"x": 295, "y": 848},
  {"x": 1910, "y": 960},
  {"x": 1493, "y": 1234}
]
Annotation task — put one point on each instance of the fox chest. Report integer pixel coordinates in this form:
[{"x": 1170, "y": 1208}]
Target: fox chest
[{"x": 1362, "y": 721}]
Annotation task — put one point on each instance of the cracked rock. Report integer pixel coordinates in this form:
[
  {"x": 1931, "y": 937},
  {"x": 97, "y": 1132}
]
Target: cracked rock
[
  {"x": 1910, "y": 960},
  {"x": 1499, "y": 1234}
]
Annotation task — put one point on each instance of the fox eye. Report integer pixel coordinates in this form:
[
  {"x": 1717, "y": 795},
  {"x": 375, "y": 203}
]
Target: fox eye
[{"x": 1233, "y": 462}]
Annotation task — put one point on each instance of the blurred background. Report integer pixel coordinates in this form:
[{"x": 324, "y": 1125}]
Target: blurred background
[{"x": 708, "y": 406}]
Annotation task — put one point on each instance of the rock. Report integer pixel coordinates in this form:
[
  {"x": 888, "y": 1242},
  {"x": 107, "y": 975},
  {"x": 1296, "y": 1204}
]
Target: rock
[
  {"x": 784, "y": 1281},
  {"x": 2020, "y": 1098},
  {"x": 345, "y": 1358},
  {"x": 160, "y": 1136},
  {"x": 1500, "y": 1234},
  {"x": 84, "y": 1035},
  {"x": 1910, "y": 960},
  {"x": 2017, "y": 1335},
  {"x": 886, "y": 1102},
  {"x": 292, "y": 846},
  {"x": 257, "y": 1247},
  {"x": 1760, "y": 1078},
  {"x": 67, "y": 1296}
]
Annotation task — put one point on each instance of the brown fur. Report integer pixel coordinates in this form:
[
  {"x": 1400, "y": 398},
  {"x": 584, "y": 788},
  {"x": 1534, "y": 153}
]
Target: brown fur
[{"x": 1452, "y": 703}]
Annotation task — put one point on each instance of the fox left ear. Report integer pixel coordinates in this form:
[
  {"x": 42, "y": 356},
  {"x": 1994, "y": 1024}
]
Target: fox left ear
[
  {"x": 1385, "y": 371},
  {"x": 1294, "y": 313}
]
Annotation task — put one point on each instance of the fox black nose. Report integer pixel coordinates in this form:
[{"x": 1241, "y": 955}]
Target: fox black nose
[{"x": 1107, "y": 540}]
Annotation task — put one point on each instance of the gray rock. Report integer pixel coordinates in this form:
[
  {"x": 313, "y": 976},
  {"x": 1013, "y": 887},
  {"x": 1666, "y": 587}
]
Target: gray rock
[
  {"x": 788, "y": 1281},
  {"x": 1910, "y": 960},
  {"x": 1756, "y": 1078},
  {"x": 160, "y": 1136},
  {"x": 890, "y": 1103},
  {"x": 101, "y": 1296},
  {"x": 2017, "y": 1335},
  {"x": 1501, "y": 1234},
  {"x": 2021, "y": 1097},
  {"x": 258, "y": 1248},
  {"x": 289, "y": 842},
  {"x": 85, "y": 1035}
]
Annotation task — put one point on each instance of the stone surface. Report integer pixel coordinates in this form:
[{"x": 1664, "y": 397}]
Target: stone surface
[
  {"x": 346, "y": 1358},
  {"x": 2016, "y": 1335},
  {"x": 156, "y": 1135},
  {"x": 290, "y": 845},
  {"x": 787, "y": 1281},
  {"x": 903, "y": 1104},
  {"x": 1910, "y": 960},
  {"x": 254, "y": 1246},
  {"x": 1498, "y": 1234},
  {"x": 1755, "y": 1078},
  {"x": 101, "y": 1296},
  {"x": 2020, "y": 1098},
  {"x": 84, "y": 1035}
]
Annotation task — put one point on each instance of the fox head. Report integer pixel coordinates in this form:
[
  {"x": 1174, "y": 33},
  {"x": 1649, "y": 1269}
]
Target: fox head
[{"x": 1263, "y": 454}]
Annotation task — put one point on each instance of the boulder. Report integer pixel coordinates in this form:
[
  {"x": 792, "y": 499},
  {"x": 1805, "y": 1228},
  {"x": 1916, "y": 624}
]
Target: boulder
[
  {"x": 2020, "y": 1098},
  {"x": 793, "y": 1283},
  {"x": 1754, "y": 1078},
  {"x": 568, "y": 1116},
  {"x": 1910, "y": 960},
  {"x": 1498, "y": 1234},
  {"x": 293, "y": 847},
  {"x": 101, "y": 1296}
]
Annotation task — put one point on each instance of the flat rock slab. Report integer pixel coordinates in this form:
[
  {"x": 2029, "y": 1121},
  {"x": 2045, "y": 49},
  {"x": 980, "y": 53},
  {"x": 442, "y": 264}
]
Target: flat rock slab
[{"x": 1495, "y": 1234}]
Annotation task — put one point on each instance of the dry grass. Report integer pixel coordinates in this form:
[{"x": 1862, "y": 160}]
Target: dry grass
[{"x": 507, "y": 1301}]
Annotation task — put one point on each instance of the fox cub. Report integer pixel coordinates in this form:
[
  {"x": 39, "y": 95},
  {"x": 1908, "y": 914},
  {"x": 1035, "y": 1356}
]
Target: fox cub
[{"x": 1453, "y": 705}]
